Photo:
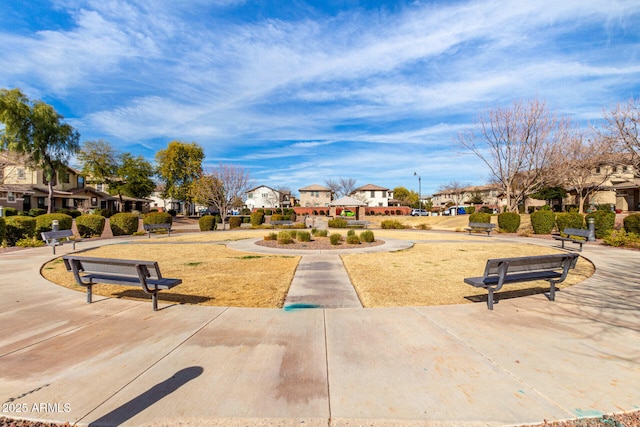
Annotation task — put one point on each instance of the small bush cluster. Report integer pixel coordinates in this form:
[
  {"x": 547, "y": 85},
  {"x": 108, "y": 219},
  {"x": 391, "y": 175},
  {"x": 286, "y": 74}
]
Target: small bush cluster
[
  {"x": 271, "y": 236},
  {"x": 29, "y": 242},
  {"x": 632, "y": 223},
  {"x": 235, "y": 222},
  {"x": 10, "y": 212},
  {"x": 90, "y": 225},
  {"x": 256, "y": 218},
  {"x": 284, "y": 238},
  {"x": 604, "y": 222},
  {"x": 43, "y": 222},
  {"x": 123, "y": 224},
  {"x": 319, "y": 233},
  {"x": 353, "y": 239},
  {"x": 388, "y": 224},
  {"x": 337, "y": 223},
  {"x": 3, "y": 229},
  {"x": 367, "y": 236},
  {"x": 543, "y": 221},
  {"x": 335, "y": 238},
  {"x": 509, "y": 222},
  {"x": 303, "y": 236},
  {"x": 157, "y": 218},
  {"x": 622, "y": 238},
  {"x": 207, "y": 223},
  {"x": 569, "y": 220},
  {"x": 423, "y": 227},
  {"x": 19, "y": 227},
  {"x": 480, "y": 217}
]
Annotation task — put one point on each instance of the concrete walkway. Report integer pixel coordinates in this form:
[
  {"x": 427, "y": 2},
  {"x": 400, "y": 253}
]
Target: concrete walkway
[{"x": 116, "y": 362}]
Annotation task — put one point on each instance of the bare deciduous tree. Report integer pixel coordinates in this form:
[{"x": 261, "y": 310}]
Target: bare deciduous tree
[
  {"x": 622, "y": 128},
  {"x": 455, "y": 190},
  {"x": 342, "y": 186},
  {"x": 221, "y": 187},
  {"x": 518, "y": 145},
  {"x": 584, "y": 165}
]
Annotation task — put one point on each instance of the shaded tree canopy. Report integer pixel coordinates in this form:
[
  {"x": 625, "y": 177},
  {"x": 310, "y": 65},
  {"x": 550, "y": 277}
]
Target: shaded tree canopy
[{"x": 34, "y": 129}]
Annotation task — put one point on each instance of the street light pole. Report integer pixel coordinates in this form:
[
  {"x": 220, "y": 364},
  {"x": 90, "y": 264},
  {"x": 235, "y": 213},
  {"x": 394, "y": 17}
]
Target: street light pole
[{"x": 419, "y": 192}]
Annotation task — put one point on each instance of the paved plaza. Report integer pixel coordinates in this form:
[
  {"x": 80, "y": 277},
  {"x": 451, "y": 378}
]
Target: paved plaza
[{"x": 116, "y": 362}]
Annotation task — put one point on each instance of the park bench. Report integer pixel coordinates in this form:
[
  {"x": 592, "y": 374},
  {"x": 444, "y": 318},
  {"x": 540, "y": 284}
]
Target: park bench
[
  {"x": 149, "y": 228},
  {"x": 59, "y": 237},
  {"x": 357, "y": 223},
  {"x": 574, "y": 235},
  {"x": 500, "y": 271},
  {"x": 274, "y": 224},
  {"x": 89, "y": 271},
  {"x": 480, "y": 227}
]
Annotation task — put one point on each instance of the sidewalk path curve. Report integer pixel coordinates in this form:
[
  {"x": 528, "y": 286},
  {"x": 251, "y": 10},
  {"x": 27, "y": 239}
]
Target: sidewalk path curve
[{"x": 116, "y": 362}]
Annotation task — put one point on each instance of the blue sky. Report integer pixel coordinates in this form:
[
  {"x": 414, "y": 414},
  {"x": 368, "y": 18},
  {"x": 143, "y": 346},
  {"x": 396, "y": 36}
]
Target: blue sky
[{"x": 298, "y": 92}]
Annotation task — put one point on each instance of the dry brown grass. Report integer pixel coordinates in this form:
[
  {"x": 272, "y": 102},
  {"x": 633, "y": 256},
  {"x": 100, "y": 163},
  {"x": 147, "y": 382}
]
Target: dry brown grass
[
  {"x": 211, "y": 274},
  {"x": 433, "y": 273},
  {"x": 428, "y": 274}
]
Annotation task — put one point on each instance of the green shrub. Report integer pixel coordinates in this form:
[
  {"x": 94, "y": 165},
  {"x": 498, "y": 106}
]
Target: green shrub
[
  {"x": 604, "y": 222},
  {"x": 235, "y": 221},
  {"x": 423, "y": 226},
  {"x": 569, "y": 220},
  {"x": 90, "y": 225},
  {"x": 3, "y": 229},
  {"x": 543, "y": 221},
  {"x": 19, "y": 227},
  {"x": 304, "y": 236},
  {"x": 29, "y": 242},
  {"x": 277, "y": 217},
  {"x": 509, "y": 222},
  {"x": 353, "y": 239},
  {"x": 367, "y": 236},
  {"x": 392, "y": 224},
  {"x": 207, "y": 223},
  {"x": 172, "y": 212},
  {"x": 320, "y": 233},
  {"x": 337, "y": 223},
  {"x": 632, "y": 223},
  {"x": 271, "y": 236},
  {"x": 124, "y": 224},
  {"x": 157, "y": 218},
  {"x": 284, "y": 237},
  {"x": 34, "y": 212},
  {"x": 335, "y": 238},
  {"x": 10, "y": 212},
  {"x": 351, "y": 232},
  {"x": 470, "y": 209},
  {"x": 256, "y": 218},
  {"x": 480, "y": 217},
  {"x": 621, "y": 238},
  {"x": 43, "y": 222}
]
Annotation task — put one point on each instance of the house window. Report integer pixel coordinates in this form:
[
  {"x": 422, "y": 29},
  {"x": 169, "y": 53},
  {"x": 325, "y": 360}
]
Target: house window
[
  {"x": 100, "y": 187},
  {"x": 373, "y": 193},
  {"x": 251, "y": 195},
  {"x": 81, "y": 182},
  {"x": 94, "y": 201},
  {"x": 41, "y": 204},
  {"x": 21, "y": 174},
  {"x": 11, "y": 197}
]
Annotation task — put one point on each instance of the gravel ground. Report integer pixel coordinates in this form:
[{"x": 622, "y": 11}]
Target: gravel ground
[{"x": 629, "y": 419}]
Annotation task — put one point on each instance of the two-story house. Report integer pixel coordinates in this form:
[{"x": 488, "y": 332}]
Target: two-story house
[
  {"x": 374, "y": 195},
  {"x": 23, "y": 187},
  {"x": 263, "y": 196},
  {"x": 315, "y": 196}
]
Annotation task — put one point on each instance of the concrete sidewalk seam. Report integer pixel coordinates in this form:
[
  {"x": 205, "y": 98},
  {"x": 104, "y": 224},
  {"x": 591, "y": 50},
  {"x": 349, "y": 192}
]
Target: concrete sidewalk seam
[{"x": 149, "y": 367}]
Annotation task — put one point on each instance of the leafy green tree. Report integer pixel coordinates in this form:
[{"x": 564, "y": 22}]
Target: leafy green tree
[
  {"x": 100, "y": 162},
  {"x": 179, "y": 165},
  {"x": 406, "y": 197},
  {"x": 135, "y": 177},
  {"x": 34, "y": 129}
]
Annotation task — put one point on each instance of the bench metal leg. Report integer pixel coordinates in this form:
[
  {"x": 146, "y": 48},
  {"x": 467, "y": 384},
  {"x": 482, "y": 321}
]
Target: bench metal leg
[
  {"x": 154, "y": 298},
  {"x": 552, "y": 291},
  {"x": 490, "y": 299},
  {"x": 89, "y": 294}
]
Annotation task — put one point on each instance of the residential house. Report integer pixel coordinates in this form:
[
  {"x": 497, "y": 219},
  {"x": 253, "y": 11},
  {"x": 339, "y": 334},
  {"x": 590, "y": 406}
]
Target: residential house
[
  {"x": 489, "y": 194},
  {"x": 374, "y": 196},
  {"x": 265, "y": 197},
  {"x": 315, "y": 196},
  {"x": 23, "y": 187}
]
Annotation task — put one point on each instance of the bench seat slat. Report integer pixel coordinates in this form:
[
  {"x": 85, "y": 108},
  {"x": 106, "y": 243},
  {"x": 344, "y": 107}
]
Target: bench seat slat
[
  {"x": 481, "y": 282},
  {"x": 164, "y": 284}
]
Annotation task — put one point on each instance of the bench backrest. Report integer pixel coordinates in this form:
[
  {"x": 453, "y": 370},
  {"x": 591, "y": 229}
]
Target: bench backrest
[
  {"x": 481, "y": 225},
  {"x": 60, "y": 234},
  {"x": 494, "y": 267},
  {"x": 576, "y": 232},
  {"x": 118, "y": 267},
  {"x": 152, "y": 226}
]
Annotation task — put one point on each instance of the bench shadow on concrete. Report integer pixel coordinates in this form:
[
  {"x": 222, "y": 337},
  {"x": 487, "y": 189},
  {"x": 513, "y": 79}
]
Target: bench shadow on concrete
[
  {"x": 148, "y": 398},
  {"x": 165, "y": 297},
  {"x": 510, "y": 294}
]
